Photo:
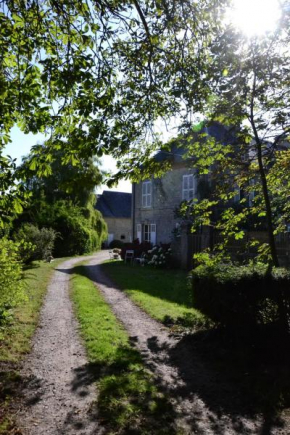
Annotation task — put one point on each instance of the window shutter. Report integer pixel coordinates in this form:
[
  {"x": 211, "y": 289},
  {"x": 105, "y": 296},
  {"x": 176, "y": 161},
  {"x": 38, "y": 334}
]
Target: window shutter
[
  {"x": 139, "y": 232},
  {"x": 149, "y": 194},
  {"x": 185, "y": 187},
  {"x": 191, "y": 186},
  {"x": 146, "y": 193},
  {"x": 188, "y": 187},
  {"x": 153, "y": 234},
  {"x": 190, "y": 179}
]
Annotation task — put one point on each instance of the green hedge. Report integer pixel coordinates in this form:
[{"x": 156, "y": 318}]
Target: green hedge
[
  {"x": 79, "y": 230},
  {"x": 11, "y": 283},
  {"x": 242, "y": 296}
]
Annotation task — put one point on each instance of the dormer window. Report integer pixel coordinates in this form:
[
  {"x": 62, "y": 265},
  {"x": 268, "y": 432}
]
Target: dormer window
[
  {"x": 147, "y": 193},
  {"x": 188, "y": 187}
]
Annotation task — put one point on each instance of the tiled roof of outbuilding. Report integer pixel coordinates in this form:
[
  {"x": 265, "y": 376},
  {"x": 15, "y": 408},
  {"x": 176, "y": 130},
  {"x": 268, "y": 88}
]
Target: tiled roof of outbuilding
[{"x": 114, "y": 204}]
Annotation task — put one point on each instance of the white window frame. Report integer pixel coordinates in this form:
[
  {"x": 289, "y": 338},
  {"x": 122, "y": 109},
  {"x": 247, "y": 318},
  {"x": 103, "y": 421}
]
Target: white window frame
[
  {"x": 188, "y": 187},
  {"x": 148, "y": 233},
  {"x": 147, "y": 194}
]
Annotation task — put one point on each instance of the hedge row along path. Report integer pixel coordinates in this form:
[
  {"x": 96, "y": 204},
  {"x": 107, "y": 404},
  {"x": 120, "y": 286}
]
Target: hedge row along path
[{"x": 58, "y": 400}]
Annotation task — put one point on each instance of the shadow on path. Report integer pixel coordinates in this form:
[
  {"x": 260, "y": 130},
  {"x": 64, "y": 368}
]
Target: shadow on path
[{"x": 244, "y": 383}]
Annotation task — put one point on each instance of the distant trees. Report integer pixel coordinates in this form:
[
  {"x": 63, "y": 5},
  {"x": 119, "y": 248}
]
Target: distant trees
[{"x": 64, "y": 201}]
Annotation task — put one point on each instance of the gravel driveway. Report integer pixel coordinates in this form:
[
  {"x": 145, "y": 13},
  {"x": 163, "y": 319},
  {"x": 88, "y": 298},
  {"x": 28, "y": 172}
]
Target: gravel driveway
[{"x": 57, "y": 398}]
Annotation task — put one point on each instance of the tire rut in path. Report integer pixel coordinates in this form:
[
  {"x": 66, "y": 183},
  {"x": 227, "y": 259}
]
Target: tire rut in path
[
  {"x": 58, "y": 391},
  {"x": 203, "y": 403}
]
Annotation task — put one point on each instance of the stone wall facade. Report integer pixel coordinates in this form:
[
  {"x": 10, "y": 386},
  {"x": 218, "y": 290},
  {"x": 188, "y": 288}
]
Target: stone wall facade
[
  {"x": 119, "y": 229},
  {"x": 166, "y": 197}
]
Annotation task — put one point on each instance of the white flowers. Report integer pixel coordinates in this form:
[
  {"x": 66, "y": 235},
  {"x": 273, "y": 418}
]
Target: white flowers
[{"x": 159, "y": 256}]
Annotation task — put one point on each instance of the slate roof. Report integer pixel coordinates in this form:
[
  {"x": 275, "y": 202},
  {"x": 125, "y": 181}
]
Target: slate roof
[
  {"x": 114, "y": 204},
  {"x": 215, "y": 129}
]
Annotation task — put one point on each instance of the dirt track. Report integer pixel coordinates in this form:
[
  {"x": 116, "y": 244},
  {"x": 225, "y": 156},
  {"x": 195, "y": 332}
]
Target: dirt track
[
  {"x": 59, "y": 391},
  {"x": 57, "y": 398}
]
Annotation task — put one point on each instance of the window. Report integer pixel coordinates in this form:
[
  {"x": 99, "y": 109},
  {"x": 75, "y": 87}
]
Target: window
[
  {"x": 188, "y": 187},
  {"x": 146, "y": 194},
  {"x": 146, "y": 233}
]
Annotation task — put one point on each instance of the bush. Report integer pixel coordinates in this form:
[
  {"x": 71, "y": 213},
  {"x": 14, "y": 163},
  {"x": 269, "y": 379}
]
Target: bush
[
  {"x": 116, "y": 244},
  {"x": 35, "y": 243},
  {"x": 159, "y": 257},
  {"x": 242, "y": 296},
  {"x": 11, "y": 285},
  {"x": 78, "y": 234}
]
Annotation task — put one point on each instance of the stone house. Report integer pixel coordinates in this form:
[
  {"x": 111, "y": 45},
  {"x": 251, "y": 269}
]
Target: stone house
[
  {"x": 155, "y": 200},
  {"x": 116, "y": 210}
]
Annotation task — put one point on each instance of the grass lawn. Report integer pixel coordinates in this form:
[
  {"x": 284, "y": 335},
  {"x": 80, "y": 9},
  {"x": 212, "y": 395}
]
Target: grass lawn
[
  {"x": 256, "y": 366},
  {"x": 128, "y": 400},
  {"x": 164, "y": 294},
  {"x": 15, "y": 338}
]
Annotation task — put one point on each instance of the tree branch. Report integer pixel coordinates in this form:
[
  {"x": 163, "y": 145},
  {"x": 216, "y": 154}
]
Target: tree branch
[{"x": 141, "y": 15}]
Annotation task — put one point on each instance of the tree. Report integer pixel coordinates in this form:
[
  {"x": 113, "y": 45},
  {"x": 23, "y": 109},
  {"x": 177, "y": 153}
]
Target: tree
[
  {"x": 64, "y": 201},
  {"x": 12, "y": 195},
  {"x": 100, "y": 71},
  {"x": 66, "y": 179},
  {"x": 98, "y": 74},
  {"x": 250, "y": 91}
]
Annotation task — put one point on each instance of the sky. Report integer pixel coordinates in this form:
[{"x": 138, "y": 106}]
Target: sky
[{"x": 255, "y": 17}]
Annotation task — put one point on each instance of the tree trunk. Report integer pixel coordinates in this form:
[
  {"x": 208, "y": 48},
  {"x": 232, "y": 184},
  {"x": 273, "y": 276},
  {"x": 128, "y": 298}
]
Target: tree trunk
[
  {"x": 268, "y": 207},
  {"x": 270, "y": 228}
]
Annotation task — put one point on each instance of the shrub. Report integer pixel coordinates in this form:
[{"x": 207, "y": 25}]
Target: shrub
[
  {"x": 116, "y": 244},
  {"x": 159, "y": 256},
  {"x": 80, "y": 230},
  {"x": 35, "y": 243},
  {"x": 242, "y": 296},
  {"x": 11, "y": 285}
]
